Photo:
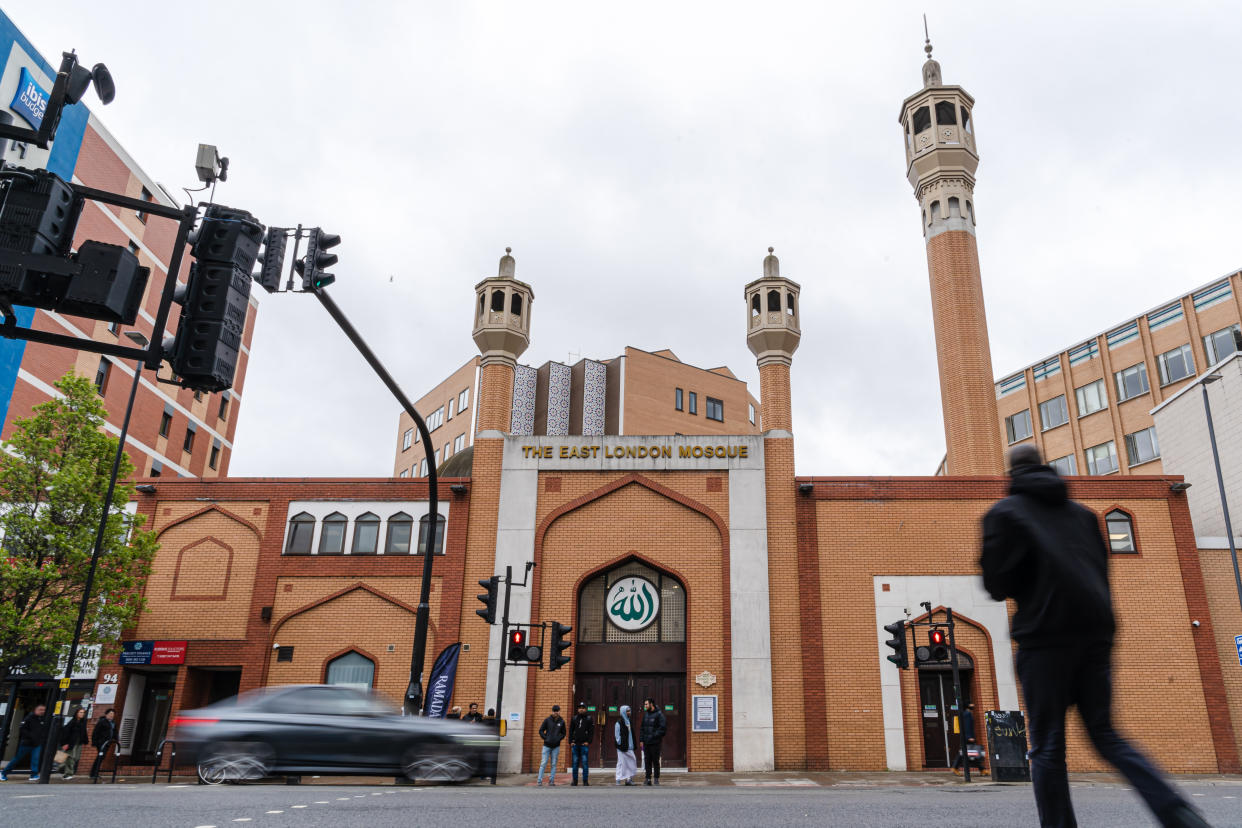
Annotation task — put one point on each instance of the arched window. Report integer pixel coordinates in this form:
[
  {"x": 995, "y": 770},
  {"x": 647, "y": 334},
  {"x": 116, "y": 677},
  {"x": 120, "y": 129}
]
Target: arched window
[
  {"x": 754, "y": 305},
  {"x": 332, "y": 535},
  {"x": 480, "y": 304},
  {"x": 966, "y": 121},
  {"x": 515, "y": 304},
  {"x": 955, "y": 208},
  {"x": 498, "y": 301},
  {"x": 922, "y": 119},
  {"x": 789, "y": 304},
  {"x": 774, "y": 301},
  {"x": 944, "y": 114},
  {"x": 595, "y": 625},
  {"x": 400, "y": 526},
  {"x": 935, "y": 210},
  {"x": 301, "y": 528},
  {"x": 366, "y": 534},
  {"x": 1120, "y": 531},
  {"x": 423, "y": 523},
  {"x": 351, "y": 670}
]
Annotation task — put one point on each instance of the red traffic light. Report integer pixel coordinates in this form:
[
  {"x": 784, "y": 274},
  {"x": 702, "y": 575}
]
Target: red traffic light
[
  {"x": 937, "y": 636},
  {"x": 517, "y": 637}
]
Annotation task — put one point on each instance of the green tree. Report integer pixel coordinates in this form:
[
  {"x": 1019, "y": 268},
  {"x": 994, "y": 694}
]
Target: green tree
[{"x": 53, "y": 477}]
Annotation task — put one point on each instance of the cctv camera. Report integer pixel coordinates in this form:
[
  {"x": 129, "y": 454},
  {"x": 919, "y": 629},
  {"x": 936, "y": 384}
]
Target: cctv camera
[
  {"x": 277, "y": 646},
  {"x": 1194, "y": 623}
]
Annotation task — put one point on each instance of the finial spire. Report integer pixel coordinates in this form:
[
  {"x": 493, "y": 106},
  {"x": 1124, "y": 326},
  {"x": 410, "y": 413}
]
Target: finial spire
[
  {"x": 771, "y": 265},
  {"x": 507, "y": 265},
  {"x": 931, "y": 69}
]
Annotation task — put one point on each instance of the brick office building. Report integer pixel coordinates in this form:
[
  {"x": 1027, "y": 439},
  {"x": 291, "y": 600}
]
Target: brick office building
[{"x": 696, "y": 569}]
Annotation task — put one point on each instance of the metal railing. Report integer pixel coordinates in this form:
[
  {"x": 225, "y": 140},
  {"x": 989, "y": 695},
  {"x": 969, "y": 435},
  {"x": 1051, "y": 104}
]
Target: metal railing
[
  {"x": 159, "y": 757},
  {"x": 116, "y": 760}
]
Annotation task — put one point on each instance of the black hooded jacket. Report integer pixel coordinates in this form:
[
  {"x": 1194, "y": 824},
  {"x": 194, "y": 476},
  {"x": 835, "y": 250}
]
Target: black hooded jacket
[{"x": 1048, "y": 554}]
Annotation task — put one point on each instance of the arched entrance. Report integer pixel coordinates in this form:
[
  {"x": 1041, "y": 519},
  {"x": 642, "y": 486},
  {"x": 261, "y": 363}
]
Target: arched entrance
[
  {"x": 937, "y": 708},
  {"x": 631, "y": 645}
]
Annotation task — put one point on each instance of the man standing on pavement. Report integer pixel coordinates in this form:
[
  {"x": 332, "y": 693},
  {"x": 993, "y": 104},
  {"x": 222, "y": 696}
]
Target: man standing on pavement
[
  {"x": 30, "y": 738},
  {"x": 552, "y": 731},
  {"x": 104, "y": 732},
  {"x": 581, "y": 732},
  {"x": 473, "y": 714},
  {"x": 1048, "y": 554},
  {"x": 652, "y": 736}
]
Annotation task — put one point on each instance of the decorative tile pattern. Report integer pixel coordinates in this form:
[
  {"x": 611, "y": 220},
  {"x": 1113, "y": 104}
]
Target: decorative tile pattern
[
  {"x": 558, "y": 399},
  {"x": 523, "y": 418},
  {"x": 594, "y": 389}
]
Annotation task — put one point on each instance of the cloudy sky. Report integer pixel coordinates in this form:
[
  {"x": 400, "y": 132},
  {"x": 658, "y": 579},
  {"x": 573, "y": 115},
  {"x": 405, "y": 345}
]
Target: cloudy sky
[{"x": 641, "y": 157}]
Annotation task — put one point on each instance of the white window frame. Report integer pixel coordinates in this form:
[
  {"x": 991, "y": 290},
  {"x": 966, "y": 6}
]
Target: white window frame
[
  {"x": 1133, "y": 443},
  {"x": 1100, "y": 390},
  {"x": 407, "y": 439},
  {"x": 1093, "y": 463},
  {"x": 1011, "y": 432},
  {"x": 1187, "y": 357},
  {"x": 1138, "y": 369},
  {"x": 1063, "y": 410}
]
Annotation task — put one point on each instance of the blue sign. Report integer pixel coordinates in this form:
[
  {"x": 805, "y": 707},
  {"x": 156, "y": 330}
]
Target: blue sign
[
  {"x": 31, "y": 100},
  {"x": 137, "y": 652},
  {"x": 1237, "y": 640},
  {"x": 440, "y": 687}
]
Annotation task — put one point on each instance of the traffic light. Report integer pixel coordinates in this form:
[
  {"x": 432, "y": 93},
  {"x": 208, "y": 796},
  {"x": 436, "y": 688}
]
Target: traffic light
[
  {"x": 520, "y": 651},
  {"x": 311, "y": 268},
  {"x": 492, "y": 585},
  {"x": 272, "y": 261},
  {"x": 215, "y": 300},
  {"x": 939, "y": 650},
  {"x": 559, "y": 645},
  {"x": 899, "y": 656}
]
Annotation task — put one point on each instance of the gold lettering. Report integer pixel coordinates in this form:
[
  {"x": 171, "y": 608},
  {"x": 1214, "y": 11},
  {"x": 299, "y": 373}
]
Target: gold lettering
[
  {"x": 547, "y": 452},
  {"x": 741, "y": 450},
  {"x": 720, "y": 451},
  {"x": 594, "y": 451},
  {"x": 666, "y": 451},
  {"x": 630, "y": 451},
  {"x": 642, "y": 451},
  {"x": 733, "y": 451},
  {"x": 564, "y": 452},
  {"x": 683, "y": 451},
  {"x": 697, "y": 451}
]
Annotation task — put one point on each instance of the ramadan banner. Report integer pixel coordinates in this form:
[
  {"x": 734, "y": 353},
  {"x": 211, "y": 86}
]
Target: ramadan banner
[{"x": 440, "y": 687}]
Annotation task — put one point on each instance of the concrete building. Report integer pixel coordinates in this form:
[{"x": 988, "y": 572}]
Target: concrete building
[
  {"x": 173, "y": 431},
  {"x": 765, "y": 592},
  {"x": 1088, "y": 408}
]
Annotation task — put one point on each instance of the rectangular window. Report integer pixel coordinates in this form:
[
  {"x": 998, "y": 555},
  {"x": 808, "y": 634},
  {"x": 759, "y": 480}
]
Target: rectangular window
[
  {"x": 1011, "y": 384},
  {"x": 407, "y": 439},
  {"x": 1132, "y": 381},
  {"x": 1121, "y": 336},
  {"x": 1102, "y": 459},
  {"x": 1065, "y": 466},
  {"x": 1141, "y": 446},
  {"x": 157, "y": 468},
  {"x": 448, "y": 450},
  {"x": 1212, "y": 294},
  {"x": 1053, "y": 412},
  {"x": 146, "y": 196},
  {"x": 437, "y": 458},
  {"x": 436, "y": 419},
  {"x": 188, "y": 445},
  {"x": 1085, "y": 352},
  {"x": 463, "y": 400},
  {"x": 1047, "y": 368},
  {"x": 459, "y": 443},
  {"x": 214, "y": 459},
  {"x": 1091, "y": 398},
  {"x": 166, "y": 420},
  {"x": 694, "y": 403},
  {"x": 1176, "y": 364},
  {"x": 751, "y": 407},
  {"x": 678, "y": 401},
  {"x": 101, "y": 375},
  {"x": 1018, "y": 426},
  {"x": 423, "y": 469},
  {"x": 715, "y": 409},
  {"x": 1221, "y": 344},
  {"x": 452, "y": 403},
  {"x": 1158, "y": 319},
  {"x": 224, "y": 405},
  {"x": 404, "y": 473}
]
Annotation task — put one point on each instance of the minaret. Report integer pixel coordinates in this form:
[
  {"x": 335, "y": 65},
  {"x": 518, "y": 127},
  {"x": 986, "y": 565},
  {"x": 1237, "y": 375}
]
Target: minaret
[
  {"x": 502, "y": 332},
  {"x": 773, "y": 333},
  {"x": 941, "y": 159}
]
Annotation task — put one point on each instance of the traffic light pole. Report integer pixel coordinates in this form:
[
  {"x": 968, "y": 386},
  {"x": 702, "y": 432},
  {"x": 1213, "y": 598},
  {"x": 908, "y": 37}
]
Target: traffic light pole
[
  {"x": 414, "y": 692},
  {"x": 957, "y": 698},
  {"x": 504, "y": 655}
]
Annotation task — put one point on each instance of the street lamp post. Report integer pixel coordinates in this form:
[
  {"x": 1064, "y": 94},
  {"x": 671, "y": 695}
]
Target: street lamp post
[
  {"x": 53, "y": 731},
  {"x": 1220, "y": 482}
]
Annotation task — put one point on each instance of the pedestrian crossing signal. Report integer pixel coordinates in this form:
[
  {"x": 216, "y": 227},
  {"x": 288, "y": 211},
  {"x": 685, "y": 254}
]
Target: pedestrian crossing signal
[{"x": 939, "y": 645}]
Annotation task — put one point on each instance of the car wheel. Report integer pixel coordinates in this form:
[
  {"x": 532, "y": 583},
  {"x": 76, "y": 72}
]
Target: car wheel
[
  {"x": 438, "y": 762},
  {"x": 234, "y": 762}
]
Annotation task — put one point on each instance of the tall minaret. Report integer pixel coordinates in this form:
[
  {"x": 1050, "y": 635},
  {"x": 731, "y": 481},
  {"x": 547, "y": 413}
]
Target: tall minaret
[
  {"x": 941, "y": 160},
  {"x": 502, "y": 332},
  {"x": 773, "y": 332}
]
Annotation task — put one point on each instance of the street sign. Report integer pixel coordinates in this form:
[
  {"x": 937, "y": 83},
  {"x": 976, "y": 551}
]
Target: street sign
[
  {"x": 1237, "y": 640},
  {"x": 64, "y": 684}
]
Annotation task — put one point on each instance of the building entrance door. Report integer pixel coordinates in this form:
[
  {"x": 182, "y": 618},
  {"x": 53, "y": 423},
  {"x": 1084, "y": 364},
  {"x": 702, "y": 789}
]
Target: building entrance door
[
  {"x": 937, "y": 709},
  {"x": 608, "y": 692}
]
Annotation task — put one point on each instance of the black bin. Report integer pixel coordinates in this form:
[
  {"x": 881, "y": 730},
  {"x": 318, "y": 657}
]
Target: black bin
[{"x": 1007, "y": 746}]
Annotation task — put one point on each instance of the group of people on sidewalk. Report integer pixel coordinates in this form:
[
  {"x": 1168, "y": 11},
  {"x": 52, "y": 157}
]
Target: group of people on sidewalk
[
  {"x": 581, "y": 733},
  {"x": 32, "y": 735}
]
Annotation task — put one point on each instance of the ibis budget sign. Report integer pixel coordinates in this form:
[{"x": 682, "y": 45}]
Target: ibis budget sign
[{"x": 632, "y": 603}]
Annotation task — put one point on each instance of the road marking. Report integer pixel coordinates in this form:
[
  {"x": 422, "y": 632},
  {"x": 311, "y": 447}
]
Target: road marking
[
  {"x": 275, "y": 812},
  {"x": 322, "y": 802},
  {"x": 32, "y": 796},
  {"x": 377, "y": 793},
  {"x": 1198, "y": 794},
  {"x": 299, "y": 806},
  {"x": 360, "y": 796},
  {"x": 204, "y": 826},
  {"x": 342, "y": 799},
  {"x": 176, "y": 786}
]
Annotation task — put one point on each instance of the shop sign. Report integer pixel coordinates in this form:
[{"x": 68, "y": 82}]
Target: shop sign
[
  {"x": 105, "y": 694},
  {"x": 153, "y": 652},
  {"x": 632, "y": 603},
  {"x": 706, "y": 714}
]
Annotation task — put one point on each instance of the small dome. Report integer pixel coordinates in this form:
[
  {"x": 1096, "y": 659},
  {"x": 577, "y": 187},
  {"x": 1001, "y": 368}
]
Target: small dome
[
  {"x": 507, "y": 264},
  {"x": 771, "y": 265}
]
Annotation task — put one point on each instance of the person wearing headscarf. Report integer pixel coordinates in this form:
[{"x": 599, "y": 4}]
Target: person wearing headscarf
[{"x": 623, "y": 735}]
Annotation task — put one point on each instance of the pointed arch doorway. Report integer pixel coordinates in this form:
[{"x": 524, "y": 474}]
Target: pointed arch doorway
[
  {"x": 631, "y": 645},
  {"x": 937, "y": 708}
]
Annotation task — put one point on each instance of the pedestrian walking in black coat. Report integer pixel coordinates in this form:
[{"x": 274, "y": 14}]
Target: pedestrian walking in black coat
[
  {"x": 30, "y": 738},
  {"x": 73, "y": 738},
  {"x": 1047, "y": 553},
  {"x": 104, "y": 732},
  {"x": 652, "y": 733}
]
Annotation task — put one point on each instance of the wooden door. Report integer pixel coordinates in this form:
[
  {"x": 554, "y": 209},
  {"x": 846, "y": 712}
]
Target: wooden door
[
  {"x": 672, "y": 699},
  {"x": 937, "y": 709},
  {"x": 617, "y": 693},
  {"x": 591, "y": 692}
]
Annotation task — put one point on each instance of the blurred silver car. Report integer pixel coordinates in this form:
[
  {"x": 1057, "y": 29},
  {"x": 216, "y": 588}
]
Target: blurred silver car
[{"x": 328, "y": 729}]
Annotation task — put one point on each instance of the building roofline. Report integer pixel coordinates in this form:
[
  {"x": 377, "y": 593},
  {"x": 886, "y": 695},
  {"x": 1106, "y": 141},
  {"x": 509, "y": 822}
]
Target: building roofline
[
  {"x": 711, "y": 371},
  {"x": 1114, "y": 327},
  {"x": 1236, "y": 355}
]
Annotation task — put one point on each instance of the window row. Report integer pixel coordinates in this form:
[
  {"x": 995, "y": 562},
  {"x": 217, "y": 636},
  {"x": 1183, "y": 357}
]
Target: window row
[
  {"x": 1141, "y": 447},
  {"x": 715, "y": 407},
  {"x": 456, "y": 405},
  {"x": 365, "y": 538}
]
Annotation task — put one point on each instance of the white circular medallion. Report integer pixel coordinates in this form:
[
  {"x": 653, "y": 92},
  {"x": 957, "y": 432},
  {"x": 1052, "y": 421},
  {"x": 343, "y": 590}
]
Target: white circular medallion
[{"x": 632, "y": 603}]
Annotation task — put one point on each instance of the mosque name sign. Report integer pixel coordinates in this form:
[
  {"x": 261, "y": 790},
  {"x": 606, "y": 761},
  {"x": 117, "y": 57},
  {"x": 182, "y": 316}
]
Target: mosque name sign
[
  {"x": 632, "y": 452},
  {"x": 648, "y": 452}
]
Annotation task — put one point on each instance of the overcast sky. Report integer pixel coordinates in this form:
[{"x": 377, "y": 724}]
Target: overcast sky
[{"x": 640, "y": 158}]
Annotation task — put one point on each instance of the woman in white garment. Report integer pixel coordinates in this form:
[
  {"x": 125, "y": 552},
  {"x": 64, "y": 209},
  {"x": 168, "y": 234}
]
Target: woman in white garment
[{"x": 623, "y": 734}]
